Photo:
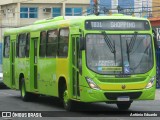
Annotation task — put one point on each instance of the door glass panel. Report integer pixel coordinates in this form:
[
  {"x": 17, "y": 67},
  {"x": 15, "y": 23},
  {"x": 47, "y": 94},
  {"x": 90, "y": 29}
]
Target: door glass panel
[{"x": 35, "y": 51}]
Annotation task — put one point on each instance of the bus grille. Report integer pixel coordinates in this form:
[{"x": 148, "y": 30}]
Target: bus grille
[
  {"x": 120, "y": 80},
  {"x": 114, "y": 96}
]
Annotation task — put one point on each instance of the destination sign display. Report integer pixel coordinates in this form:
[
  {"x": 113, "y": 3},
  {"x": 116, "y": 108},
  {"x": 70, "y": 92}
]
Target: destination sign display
[{"x": 116, "y": 25}]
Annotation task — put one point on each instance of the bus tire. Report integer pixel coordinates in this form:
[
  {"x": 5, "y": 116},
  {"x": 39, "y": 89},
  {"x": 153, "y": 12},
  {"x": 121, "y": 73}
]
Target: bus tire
[
  {"x": 123, "y": 105},
  {"x": 24, "y": 94},
  {"x": 67, "y": 103}
]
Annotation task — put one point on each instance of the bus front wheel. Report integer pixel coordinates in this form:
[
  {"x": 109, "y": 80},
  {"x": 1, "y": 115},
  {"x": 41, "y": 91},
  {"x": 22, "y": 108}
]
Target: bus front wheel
[
  {"x": 123, "y": 105},
  {"x": 68, "y": 103}
]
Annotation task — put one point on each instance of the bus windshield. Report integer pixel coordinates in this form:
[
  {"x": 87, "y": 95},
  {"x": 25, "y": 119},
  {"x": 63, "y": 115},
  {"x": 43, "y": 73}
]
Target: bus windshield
[{"x": 102, "y": 60}]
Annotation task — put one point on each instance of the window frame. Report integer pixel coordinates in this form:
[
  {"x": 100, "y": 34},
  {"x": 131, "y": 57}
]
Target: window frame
[
  {"x": 18, "y": 51},
  {"x": 4, "y": 49},
  {"x": 47, "y": 43},
  {"x": 73, "y": 13},
  {"x": 56, "y": 14},
  {"x": 17, "y": 46},
  {"x": 27, "y": 45},
  {"x": 40, "y": 53},
  {"x": 28, "y": 12},
  {"x": 58, "y": 53}
]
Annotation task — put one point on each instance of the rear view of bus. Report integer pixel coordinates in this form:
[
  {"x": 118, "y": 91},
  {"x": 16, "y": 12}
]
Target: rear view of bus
[{"x": 118, "y": 61}]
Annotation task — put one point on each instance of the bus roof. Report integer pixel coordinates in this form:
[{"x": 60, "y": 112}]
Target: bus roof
[{"x": 64, "y": 21}]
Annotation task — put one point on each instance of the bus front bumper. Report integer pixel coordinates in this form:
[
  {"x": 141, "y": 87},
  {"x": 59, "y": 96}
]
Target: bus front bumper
[{"x": 91, "y": 95}]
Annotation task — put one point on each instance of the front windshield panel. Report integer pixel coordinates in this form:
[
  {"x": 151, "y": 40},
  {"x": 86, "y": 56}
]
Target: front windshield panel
[{"x": 124, "y": 55}]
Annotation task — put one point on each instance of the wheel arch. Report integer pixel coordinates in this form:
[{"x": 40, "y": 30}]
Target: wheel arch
[
  {"x": 61, "y": 84},
  {"x": 21, "y": 75}
]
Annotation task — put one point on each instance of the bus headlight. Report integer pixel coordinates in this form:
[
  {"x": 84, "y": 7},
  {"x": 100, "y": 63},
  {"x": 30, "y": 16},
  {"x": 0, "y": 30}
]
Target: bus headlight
[
  {"x": 151, "y": 82},
  {"x": 92, "y": 84}
]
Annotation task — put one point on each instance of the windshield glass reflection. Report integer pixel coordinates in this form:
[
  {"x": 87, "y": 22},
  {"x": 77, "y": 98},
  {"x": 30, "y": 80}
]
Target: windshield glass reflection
[{"x": 101, "y": 59}]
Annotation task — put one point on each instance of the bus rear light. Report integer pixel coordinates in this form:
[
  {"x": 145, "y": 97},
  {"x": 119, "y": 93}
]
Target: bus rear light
[
  {"x": 92, "y": 84},
  {"x": 151, "y": 82}
]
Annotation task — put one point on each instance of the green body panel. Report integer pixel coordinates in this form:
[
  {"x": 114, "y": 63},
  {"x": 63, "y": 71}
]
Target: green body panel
[
  {"x": 50, "y": 70},
  {"x": 22, "y": 66},
  {"x": 6, "y": 72},
  {"x": 49, "y": 66}
]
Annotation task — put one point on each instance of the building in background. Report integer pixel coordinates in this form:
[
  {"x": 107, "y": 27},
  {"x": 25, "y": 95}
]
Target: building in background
[
  {"x": 16, "y": 13},
  {"x": 23, "y": 12},
  {"x": 156, "y": 8},
  {"x": 140, "y": 8}
]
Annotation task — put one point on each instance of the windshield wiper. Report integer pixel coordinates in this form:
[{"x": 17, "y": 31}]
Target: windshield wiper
[
  {"x": 132, "y": 42},
  {"x": 110, "y": 45},
  {"x": 108, "y": 42},
  {"x": 131, "y": 45}
]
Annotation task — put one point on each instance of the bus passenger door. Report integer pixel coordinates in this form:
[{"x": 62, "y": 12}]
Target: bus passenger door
[
  {"x": 34, "y": 61},
  {"x": 13, "y": 64},
  {"x": 75, "y": 65}
]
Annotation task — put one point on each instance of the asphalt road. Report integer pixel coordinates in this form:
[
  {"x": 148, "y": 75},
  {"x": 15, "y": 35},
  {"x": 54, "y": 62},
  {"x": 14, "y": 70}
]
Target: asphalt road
[{"x": 10, "y": 101}]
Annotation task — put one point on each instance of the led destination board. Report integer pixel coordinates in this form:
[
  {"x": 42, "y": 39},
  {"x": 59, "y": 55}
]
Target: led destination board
[{"x": 116, "y": 25}]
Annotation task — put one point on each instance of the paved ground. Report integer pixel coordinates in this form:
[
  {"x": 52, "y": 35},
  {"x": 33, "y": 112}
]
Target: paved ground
[
  {"x": 158, "y": 94},
  {"x": 10, "y": 101}
]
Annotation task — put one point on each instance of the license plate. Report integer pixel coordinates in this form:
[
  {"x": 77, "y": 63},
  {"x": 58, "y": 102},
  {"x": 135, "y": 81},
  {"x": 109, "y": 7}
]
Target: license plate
[{"x": 123, "y": 98}]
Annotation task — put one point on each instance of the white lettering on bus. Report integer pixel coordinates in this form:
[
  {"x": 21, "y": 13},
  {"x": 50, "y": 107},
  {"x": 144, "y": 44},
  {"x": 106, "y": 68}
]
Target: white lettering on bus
[
  {"x": 123, "y": 25},
  {"x": 96, "y": 24}
]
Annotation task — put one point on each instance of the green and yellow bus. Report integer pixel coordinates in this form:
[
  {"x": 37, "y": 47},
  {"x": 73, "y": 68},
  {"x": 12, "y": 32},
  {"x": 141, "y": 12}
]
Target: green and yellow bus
[{"x": 82, "y": 59}]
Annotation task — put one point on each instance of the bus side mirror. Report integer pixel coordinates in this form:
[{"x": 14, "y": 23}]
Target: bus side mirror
[
  {"x": 82, "y": 45},
  {"x": 155, "y": 39}
]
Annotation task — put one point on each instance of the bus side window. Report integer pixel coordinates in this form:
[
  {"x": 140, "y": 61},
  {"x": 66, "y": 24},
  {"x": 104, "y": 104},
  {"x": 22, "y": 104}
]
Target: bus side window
[
  {"x": 17, "y": 46},
  {"x": 43, "y": 39},
  {"x": 52, "y": 37},
  {"x": 6, "y": 47},
  {"x": 27, "y": 44},
  {"x": 63, "y": 42},
  {"x": 22, "y": 45}
]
